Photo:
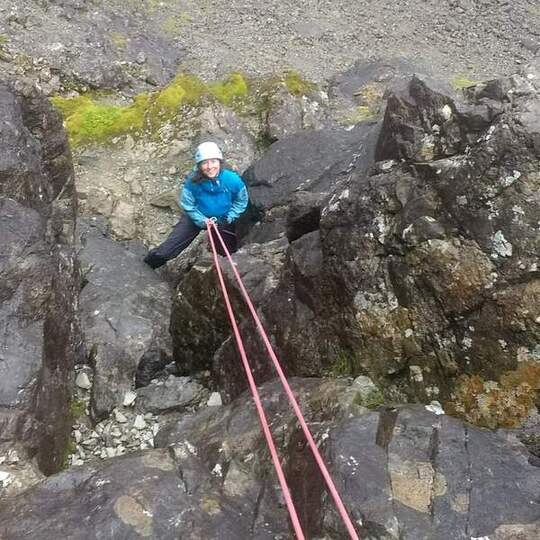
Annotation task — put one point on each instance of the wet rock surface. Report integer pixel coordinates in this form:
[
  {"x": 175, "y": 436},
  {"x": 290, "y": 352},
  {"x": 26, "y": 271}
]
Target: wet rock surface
[
  {"x": 403, "y": 473},
  {"x": 39, "y": 281},
  {"x": 393, "y": 232},
  {"x": 124, "y": 313}
]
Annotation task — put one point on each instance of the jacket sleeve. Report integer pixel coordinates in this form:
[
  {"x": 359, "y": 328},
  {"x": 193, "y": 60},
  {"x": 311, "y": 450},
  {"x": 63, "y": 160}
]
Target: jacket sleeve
[
  {"x": 239, "y": 203},
  {"x": 187, "y": 201}
]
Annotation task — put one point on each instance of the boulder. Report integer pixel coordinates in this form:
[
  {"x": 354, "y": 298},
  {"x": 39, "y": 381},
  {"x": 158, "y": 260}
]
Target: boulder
[
  {"x": 359, "y": 93},
  {"x": 200, "y": 328},
  {"x": 125, "y": 311},
  {"x": 288, "y": 113},
  {"x": 314, "y": 161},
  {"x": 171, "y": 394},
  {"x": 39, "y": 279}
]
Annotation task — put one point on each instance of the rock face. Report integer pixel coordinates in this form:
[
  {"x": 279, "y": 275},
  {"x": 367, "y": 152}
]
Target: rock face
[
  {"x": 199, "y": 325},
  {"x": 39, "y": 279},
  {"x": 419, "y": 266},
  {"x": 313, "y": 161},
  {"x": 125, "y": 310},
  {"x": 131, "y": 182},
  {"x": 402, "y": 473}
]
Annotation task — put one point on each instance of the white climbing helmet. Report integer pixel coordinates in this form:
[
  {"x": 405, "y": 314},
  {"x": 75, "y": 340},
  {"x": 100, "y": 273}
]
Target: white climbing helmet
[{"x": 207, "y": 150}]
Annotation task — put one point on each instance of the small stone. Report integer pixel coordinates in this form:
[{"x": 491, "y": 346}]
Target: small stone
[
  {"x": 110, "y": 452},
  {"x": 139, "y": 422},
  {"x": 89, "y": 442},
  {"x": 129, "y": 398},
  {"x": 435, "y": 407},
  {"x": 215, "y": 400},
  {"x": 82, "y": 381},
  {"x": 416, "y": 374},
  {"x": 120, "y": 417},
  {"x": 12, "y": 457},
  {"x": 5, "y": 478}
]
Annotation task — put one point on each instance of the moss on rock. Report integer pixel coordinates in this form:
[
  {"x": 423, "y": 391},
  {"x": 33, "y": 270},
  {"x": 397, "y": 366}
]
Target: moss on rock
[
  {"x": 90, "y": 119},
  {"x": 231, "y": 90},
  {"x": 491, "y": 404},
  {"x": 296, "y": 85}
]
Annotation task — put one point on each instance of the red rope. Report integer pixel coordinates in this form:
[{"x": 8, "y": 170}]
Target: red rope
[
  {"x": 316, "y": 454},
  {"x": 256, "y": 397}
]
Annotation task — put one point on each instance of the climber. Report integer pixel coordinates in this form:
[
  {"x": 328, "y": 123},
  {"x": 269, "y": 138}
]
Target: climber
[{"x": 210, "y": 192}]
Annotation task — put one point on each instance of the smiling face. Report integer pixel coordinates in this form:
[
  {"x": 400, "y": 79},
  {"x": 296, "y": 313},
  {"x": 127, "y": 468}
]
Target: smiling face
[{"x": 210, "y": 167}]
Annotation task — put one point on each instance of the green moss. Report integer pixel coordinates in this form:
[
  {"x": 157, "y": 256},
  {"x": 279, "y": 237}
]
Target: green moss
[
  {"x": 166, "y": 104},
  {"x": 339, "y": 365},
  {"x": 459, "y": 82},
  {"x": 361, "y": 114},
  {"x": 93, "y": 119},
  {"x": 370, "y": 107},
  {"x": 68, "y": 106},
  {"x": 87, "y": 121},
  {"x": 296, "y": 85},
  {"x": 233, "y": 90},
  {"x": 3, "y": 39},
  {"x": 77, "y": 409},
  {"x": 70, "y": 448}
]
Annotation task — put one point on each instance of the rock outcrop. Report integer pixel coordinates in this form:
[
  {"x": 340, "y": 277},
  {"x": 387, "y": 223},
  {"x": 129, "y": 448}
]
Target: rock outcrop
[
  {"x": 403, "y": 473},
  {"x": 419, "y": 267},
  {"x": 39, "y": 283},
  {"x": 125, "y": 311}
]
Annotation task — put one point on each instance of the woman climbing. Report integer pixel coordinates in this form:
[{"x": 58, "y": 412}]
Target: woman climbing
[{"x": 212, "y": 192}]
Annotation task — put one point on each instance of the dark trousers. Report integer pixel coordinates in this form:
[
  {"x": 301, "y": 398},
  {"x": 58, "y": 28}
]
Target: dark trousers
[{"x": 184, "y": 232}]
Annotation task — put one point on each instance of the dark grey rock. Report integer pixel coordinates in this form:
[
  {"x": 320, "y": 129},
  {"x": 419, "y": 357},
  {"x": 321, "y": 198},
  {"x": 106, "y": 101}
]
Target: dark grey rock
[
  {"x": 39, "y": 277},
  {"x": 419, "y": 269},
  {"x": 172, "y": 394},
  {"x": 304, "y": 214},
  {"x": 401, "y": 473},
  {"x": 125, "y": 309},
  {"x": 311, "y": 161},
  {"x": 93, "y": 48}
]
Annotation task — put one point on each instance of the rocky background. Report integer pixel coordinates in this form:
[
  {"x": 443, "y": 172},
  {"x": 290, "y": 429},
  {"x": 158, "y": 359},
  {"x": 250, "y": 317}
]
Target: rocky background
[{"x": 391, "y": 248}]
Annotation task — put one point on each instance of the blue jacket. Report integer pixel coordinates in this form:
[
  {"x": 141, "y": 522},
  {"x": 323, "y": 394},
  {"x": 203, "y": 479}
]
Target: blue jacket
[{"x": 224, "y": 197}]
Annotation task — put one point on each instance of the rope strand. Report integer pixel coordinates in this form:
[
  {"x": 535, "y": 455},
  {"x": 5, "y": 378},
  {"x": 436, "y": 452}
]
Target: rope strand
[
  {"x": 262, "y": 416},
  {"x": 307, "y": 433}
]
